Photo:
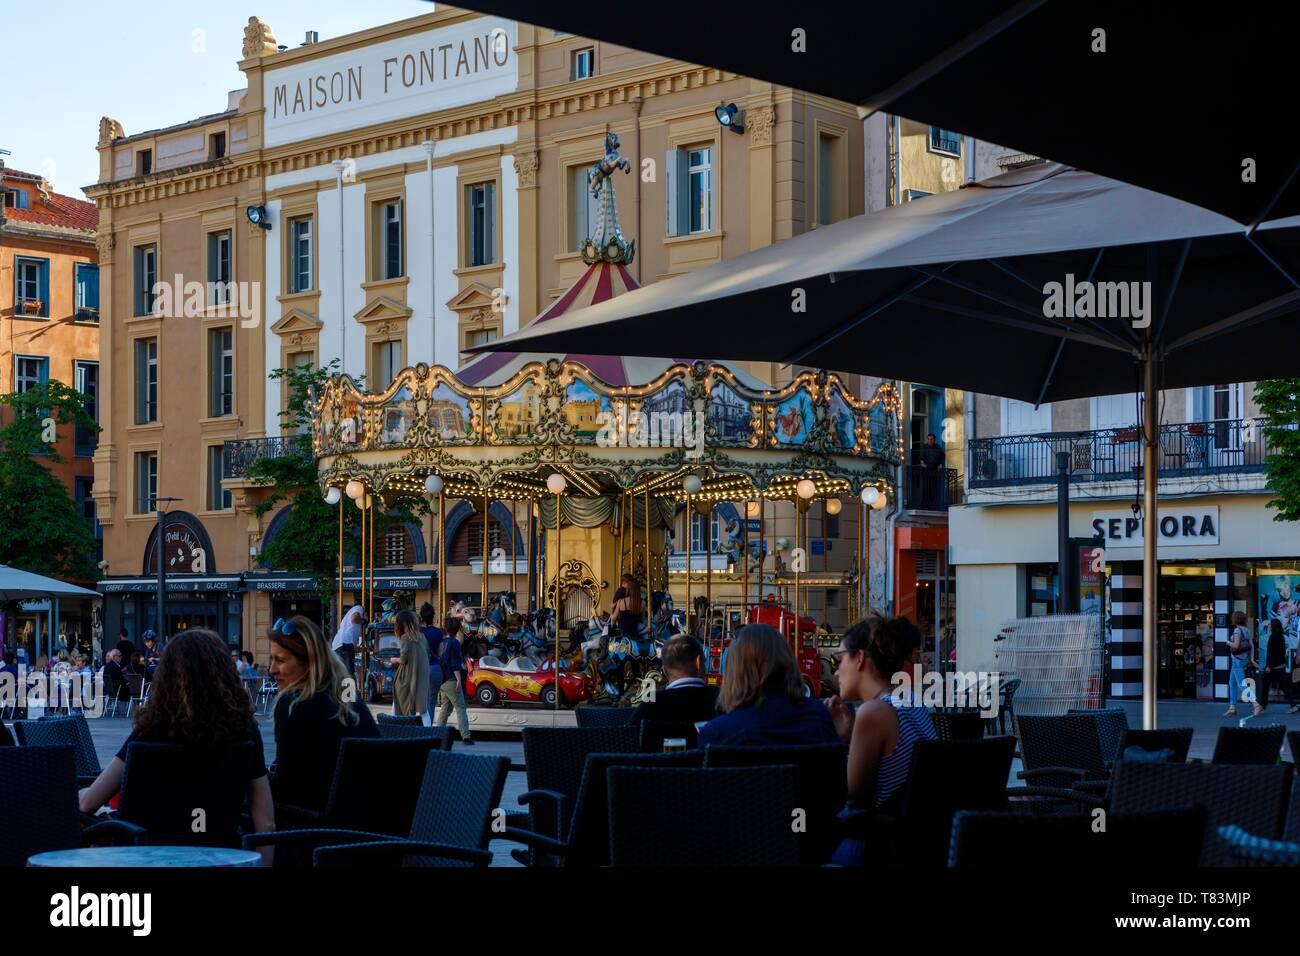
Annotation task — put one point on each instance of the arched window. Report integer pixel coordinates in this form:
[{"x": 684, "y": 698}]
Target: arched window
[{"x": 468, "y": 542}]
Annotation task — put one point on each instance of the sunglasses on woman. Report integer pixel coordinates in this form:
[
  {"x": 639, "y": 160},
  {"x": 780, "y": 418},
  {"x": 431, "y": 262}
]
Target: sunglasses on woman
[{"x": 281, "y": 626}]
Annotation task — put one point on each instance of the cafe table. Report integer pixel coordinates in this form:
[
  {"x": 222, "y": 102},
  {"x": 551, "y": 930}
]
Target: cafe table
[{"x": 147, "y": 856}]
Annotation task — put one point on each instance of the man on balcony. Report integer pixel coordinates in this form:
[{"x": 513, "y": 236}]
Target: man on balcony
[{"x": 932, "y": 477}]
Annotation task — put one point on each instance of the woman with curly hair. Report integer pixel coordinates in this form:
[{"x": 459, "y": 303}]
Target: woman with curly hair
[
  {"x": 196, "y": 700},
  {"x": 316, "y": 708}
]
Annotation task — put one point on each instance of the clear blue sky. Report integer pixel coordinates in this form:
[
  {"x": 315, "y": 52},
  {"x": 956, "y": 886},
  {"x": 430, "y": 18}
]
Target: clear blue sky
[{"x": 145, "y": 64}]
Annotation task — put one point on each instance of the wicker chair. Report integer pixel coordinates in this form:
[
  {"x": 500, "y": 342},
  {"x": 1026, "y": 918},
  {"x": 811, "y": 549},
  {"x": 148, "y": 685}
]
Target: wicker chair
[
  {"x": 1006, "y": 707},
  {"x": 589, "y": 716},
  {"x": 823, "y": 781},
  {"x": 41, "y": 806},
  {"x": 588, "y": 830},
  {"x": 399, "y": 720},
  {"x": 451, "y": 826},
  {"x": 392, "y": 731},
  {"x": 139, "y": 691},
  {"x": 993, "y": 841},
  {"x": 6, "y": 738},
  {"x": 1249, "y": 745},
  {"x": 750, "y": 825},
  {"x": 1177, "y": 739},
  {"x": 1242, "y": 849},
  {"x": 1252, "y": 797},
  {"x": 163, "y": 784},
  {"x": 363, "y": 764},
  {"x": 957, "y": 724},
  {"x": 655, "y": 732},
  {"x": 63, "y": 731},
  {"x": 1111, "y": 724},
  {"x": 1057, "y": 751}
]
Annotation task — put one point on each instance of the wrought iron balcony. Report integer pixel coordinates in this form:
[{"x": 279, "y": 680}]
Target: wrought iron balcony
[
  {"x": 1224, "y": 446},
  {"x": 240, "y": 454},
  {"x": 930, "y": 490}
]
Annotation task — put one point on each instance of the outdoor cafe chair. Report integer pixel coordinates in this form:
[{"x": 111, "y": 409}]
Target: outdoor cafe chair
[
  {"x": 1244, "y": 849},
  {"x": 409, "y": 720},
  {"x": 587, "y": 843},
  {"x": 1057, "y": 751},
  {"x": 63, "y": 731},
  {"x": 163, "y": 785},
  {"x": 363, "y": 764},
  {"x": 1177, "y": 739},
  {"x": 266, "y": 694},
  {"x": 1111, "y": 724},
  {"x": 451, "y": 824},
  {"x": 555, "y": 758},
  {"x": 590, "y": 716},
  {"x": 139, "y": 691},
  {"x": 6, "y": 738},
  {"x": 823, "y": 784},
  {"x": 1253, "y": 797},
  {"x": 1006, "y": 707},
  {"x": 40, "y": 808},
  {"x": 1249, "y": 745},
  {"x": 952, "y": 723},
  {"x": 653, "y": 733},
  {"x": 983, "y": 840},
  {"x": 390, "y": 730},
  {"x": 742, "y": 816}
]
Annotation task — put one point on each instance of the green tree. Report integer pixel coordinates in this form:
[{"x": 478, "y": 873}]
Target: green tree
[
  {"x": 1279, "y": 401},
  {"x": 41, "y": 528},
  {"x": 307, "y": 540}
]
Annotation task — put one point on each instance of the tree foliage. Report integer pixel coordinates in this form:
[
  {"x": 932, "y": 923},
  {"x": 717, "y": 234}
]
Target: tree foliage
[
  {"x": 41, "y": 528},
  {"x": 1279, "y": 401}
]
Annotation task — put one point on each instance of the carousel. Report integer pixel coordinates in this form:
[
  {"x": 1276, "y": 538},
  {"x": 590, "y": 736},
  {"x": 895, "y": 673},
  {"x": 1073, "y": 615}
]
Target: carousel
[{"x": 601, "y": 454}]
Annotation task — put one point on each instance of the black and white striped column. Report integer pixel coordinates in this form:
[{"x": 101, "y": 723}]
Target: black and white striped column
[
  {"x": 1125, "y": 638},
  {"x": 1231, "y": 593}
]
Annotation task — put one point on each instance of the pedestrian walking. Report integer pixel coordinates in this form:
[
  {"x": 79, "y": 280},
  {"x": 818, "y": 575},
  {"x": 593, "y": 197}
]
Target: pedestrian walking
[
  {"x": 433, "y": 638},
  {"x": 452, "y": 692},
  {"x": 1240, "y": 647},
  {"x": 411, "y": 683},
  {"x": 347, "y": 637},
  {"x": 1275, "y": 671}
]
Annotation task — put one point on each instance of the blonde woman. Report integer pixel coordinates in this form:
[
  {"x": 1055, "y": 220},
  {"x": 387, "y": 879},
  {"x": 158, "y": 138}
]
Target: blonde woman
[
  {"x": 411, "y": 685},
  {"x": 318, "y": 705}
]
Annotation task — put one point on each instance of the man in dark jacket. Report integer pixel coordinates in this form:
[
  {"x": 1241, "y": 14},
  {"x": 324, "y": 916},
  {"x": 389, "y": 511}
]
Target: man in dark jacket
[{"x": 685, "y": 699}]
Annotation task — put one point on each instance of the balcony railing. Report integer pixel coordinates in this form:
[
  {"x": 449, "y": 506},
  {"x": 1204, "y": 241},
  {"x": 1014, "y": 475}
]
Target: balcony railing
[
  {"x": 1225, "y": 446},
  {"x": 930, "y": 490},
  {"x": 241, "y": 454}
]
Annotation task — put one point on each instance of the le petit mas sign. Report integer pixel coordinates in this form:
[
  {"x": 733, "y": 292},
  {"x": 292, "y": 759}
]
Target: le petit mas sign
[{"x": 1178, "y": 526}]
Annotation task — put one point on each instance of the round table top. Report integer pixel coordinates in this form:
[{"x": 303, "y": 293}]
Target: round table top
[{"x": 129, "y": 856}]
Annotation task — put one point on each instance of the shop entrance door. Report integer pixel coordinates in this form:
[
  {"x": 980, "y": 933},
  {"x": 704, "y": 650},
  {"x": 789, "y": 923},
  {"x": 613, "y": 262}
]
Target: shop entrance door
[
  {"x": 185, "y": 616},
  {"x": 1185, "y": 631},
  {"x": 309, "y": 608}
]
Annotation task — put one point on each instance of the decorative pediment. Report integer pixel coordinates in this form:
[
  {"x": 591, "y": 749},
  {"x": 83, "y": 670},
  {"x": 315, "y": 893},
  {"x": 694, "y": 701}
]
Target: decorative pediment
[
  {"x": 382, "y": 309},
  {"x": 297, "y": 322},
  {"x": 475, "y": 297}
]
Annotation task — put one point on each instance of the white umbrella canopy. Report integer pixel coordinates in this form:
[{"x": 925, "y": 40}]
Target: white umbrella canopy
[{"x": 19, "y": 585}]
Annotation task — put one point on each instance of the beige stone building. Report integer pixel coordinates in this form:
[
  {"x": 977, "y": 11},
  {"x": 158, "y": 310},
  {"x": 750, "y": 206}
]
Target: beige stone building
[{"x": 421, "y": 188}]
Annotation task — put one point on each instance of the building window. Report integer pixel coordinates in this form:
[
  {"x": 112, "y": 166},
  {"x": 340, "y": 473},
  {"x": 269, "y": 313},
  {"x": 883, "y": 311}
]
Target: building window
[
  {"x": 146, "y": 275},
  {"x": 831, "y": 179},
  {"x": 82, "y": 488},
  {"x": 468, "y": 542},
  {"x": 143, "y": 162},
  {"x": 584, "y": 209},
  {"x": 945, "y": 141},
  {"x": 221, "y": 372},
  {"x": 86, "y": 375},
  {"x": 300, "y": 253},
  {"x": 1042, "y": 589},
  {"x": 218, "y": 497},
  {"x": 391, "y": 240},
  {"x": 30, "y": 371},
  {"x": 388, "y": 362},
  {"x": 584, "y": 64},
  {"x": 480, "y": 202},
  {"x": 146, "y": 381},
  {"x": 16, "y": 198},
  {"x": 146, "y": 481},
  {"x": 219, "y": 285},
  {"x": 480, "y": 337},
  {"x": 86, "y": 292},
  {"x": 31, "y": 287},
  {"x": 699, "y": 532},
  {"x": 217, "y": 146},
  {"x": 690, "y": 190}
]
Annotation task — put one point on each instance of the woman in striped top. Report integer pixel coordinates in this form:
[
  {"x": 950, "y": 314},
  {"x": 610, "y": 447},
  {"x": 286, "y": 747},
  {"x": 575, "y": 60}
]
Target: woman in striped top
[{"x": 885, "y": 727}]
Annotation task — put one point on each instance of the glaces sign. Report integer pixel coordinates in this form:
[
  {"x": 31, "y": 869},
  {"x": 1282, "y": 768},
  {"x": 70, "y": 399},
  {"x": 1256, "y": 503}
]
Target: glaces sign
[
  {"x": 1178, "y": 526},
  {"x": 434, "y": 70}
]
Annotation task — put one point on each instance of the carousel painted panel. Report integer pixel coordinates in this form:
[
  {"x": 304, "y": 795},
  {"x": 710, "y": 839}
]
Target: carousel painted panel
[
  {"x": 735, "y": 419},
  {"x": 514, "y": 417},
  {"x": 452, "y": 416},
  {"x": 792, "y": 418},
  {"x": 842, "y": 420},
  {"x": 586, "y": 410}
]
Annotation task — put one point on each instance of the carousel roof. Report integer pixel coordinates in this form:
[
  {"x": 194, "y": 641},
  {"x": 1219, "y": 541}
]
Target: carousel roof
[{"x": 601, "y": 280}]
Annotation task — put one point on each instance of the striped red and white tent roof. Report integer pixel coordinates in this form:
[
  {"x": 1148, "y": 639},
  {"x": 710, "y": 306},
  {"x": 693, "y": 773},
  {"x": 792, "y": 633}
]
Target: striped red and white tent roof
[{"x": 601, "y": 281}]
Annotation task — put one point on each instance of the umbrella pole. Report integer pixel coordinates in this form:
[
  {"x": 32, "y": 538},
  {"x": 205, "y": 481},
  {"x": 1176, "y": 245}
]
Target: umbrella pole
[{"x": 1150, "y": 528}]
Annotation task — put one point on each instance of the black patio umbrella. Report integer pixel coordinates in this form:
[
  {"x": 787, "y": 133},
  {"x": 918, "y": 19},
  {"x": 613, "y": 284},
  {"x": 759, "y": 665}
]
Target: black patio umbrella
[
  {"x": 1045, "y": 284},
  {"x": 1186, "y": 102}
]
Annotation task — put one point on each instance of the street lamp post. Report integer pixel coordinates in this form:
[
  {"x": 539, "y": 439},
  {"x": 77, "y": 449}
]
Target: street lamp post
[{"x": 162, "y": 573}]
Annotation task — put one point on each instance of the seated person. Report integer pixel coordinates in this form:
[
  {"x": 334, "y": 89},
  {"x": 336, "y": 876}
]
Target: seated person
[
  {"x": 762, "y": 699},
  {"x": 151, "y": 653},
  {"x": 115, "y": 686},
  {"x": 311, "y": 714},
  {"x": 686, "y": 698},
  {"x": 883, "y": 731},
  {"x": 250, "y": 666},
  {"x": 194, "y": 679}
]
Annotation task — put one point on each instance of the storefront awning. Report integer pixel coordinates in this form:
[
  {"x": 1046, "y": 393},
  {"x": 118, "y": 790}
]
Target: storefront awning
[{"x": 175, "y": 582}]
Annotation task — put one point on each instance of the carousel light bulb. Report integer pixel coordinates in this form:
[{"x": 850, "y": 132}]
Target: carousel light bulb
[
  {"x": 556, "y": 483},
  {"x": 433, "y": 484},
  {"x": 833, "y": 506},
  {"x": 691, "y": 484},
  {"x": 333, "y": 495},
  {"x": 360, "y": 502},
  {"x": 880, "y": 502},
  {"x": 752, "y": 508},
  {"x": 355, "y": 489},
  {"x": 870, "y": 495},
  {"x": 806, "y": 488}
]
